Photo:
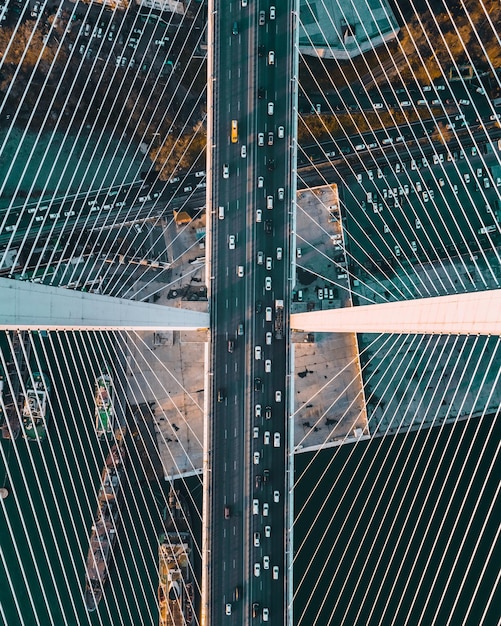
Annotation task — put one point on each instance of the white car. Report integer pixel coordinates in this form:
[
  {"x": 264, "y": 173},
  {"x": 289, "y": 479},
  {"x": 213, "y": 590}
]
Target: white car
[
  {"x": 266, "y": 614},
  {"x": 276, "y": 440},
  {"x": 266, "y": 437},
  {"x": 226, "y": 171},
  {"x": 276, "y": 496},
  {"x": 271, "y": 108},
  {"x": 425, "y": 196},
  {"x": 260, "y": 257},
  {"x": 260, "y": 181},
  {"x": 260, "y": 139},
  {"x": 243, "y": 151},
  {"x": 259, "y": 215},
  {"x": 266, "y": 509},
  {"x": 281, "y": 193},
  {"x": 269, "y": 338},
  {"x": 280, "y": 132},
  {"x": 278, "y": 396},
  {"x": 256, "y": 458},
  {"x": 257, "y": 569},
  {"x": 267, "y": 283},
  {"x": 231, "y": 242},
  {"x": 279, "y": 254},
  {"x": 266, "y": 562},
  {"x": 272, "y": 13},
  {"x": 255, "y": 432},
  {"x": 257, "y": 410},
  {"x": 228, "y": 609},
  {"x": 240, "y": 271},
  {"x": 271, "y": 57},
  {"x": 267, "y": 531},
  {"x": 267, "y": 366},
  {"x": 275, "y": 572},
  {"x": 268, "y": 263},
  {"x": 257, "y": 539},
  {"x": 257, "y": 353}
]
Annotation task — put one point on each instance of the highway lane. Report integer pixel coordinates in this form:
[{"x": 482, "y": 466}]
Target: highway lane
[{"x": 248, "y": 464}]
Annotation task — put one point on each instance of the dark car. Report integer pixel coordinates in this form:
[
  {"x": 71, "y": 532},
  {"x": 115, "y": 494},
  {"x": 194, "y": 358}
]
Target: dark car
[
  {"x": 258, "y": 385},
  {"x": 261, "y": 93},
  {"x": 230, "y": 346},
  {"x": 267, "y": 412},
  {"x": 257, "y": 480},
  {"x": 255, "y": 609},
  {"x": 268, "y": 226},
  {"x": 236, "y": 594},
  {"x": 227, "y": 512},
  {"x": 261, "y": 51},
  {"x": 271, "y": 164},
  {"x": 259, "y": 306},
  {"x": 266, "y": 475},
  {"x": 220, "y": 395}
]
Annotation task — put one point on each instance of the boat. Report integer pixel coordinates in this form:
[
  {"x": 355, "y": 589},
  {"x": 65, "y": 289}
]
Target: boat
[
  {"x": 105, "y": 527},
  {"x": 175, "y": 565},
  {"x": 105, "y": 409},
  {"x": 35, "y": 413}
]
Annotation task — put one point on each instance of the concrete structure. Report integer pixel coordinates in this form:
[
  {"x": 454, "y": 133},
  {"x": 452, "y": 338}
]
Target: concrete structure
[
  {"x": 477, "y": 313},
  {"x": 25, "y": 306},
  {"x": 330, "y": 29}
]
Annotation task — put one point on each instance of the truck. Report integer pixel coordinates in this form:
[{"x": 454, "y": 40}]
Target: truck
[{"x": 279, "y": 319}]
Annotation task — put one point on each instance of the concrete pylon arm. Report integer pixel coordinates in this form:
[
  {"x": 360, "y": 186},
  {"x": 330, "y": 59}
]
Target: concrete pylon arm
[
  {"x": 477, "y": 313},
  {"x": 25, "y": 306}
]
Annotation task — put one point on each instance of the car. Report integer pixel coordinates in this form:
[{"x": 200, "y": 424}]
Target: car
[
  {"x": 272, "y": 13},
  {"x": 257, "y": 539},
  {"x": 260, "y": 257},
  {"x": 397, "y": 250},
  {"x": 474, "y": 151},
  {"x": 259, "y": 215},
  {"x": 270, "y": 139},
  {"x": 257, "y": 481},
  {"x": 276, "y": 496},
  {"x": 268, "y": 226},
  {"x": 262, "y": 18},
  {"x": 417, "y": 223},
  {"x": 255, "y": 506},
  {"x": 256, "y": 458},
  {"x": 271, "y": 108},
  {"x": 269, "y": 338},
  {"x": 269, "y": 202},
  {"x": 267, "y": 283},
  {"x": 260, "y": 181},
  {"x": 257, "y": 569},
  {"x": 257, "y": 353},
  {"x": 441, "y": 182},
  {"x": 268, "y": 263},
  {"x": 276, "y": 440},
  {"x": 266, "y": 475},
  {"x": 278, "y": 396},
  {"x": 228, "y": 609},
  {"x": 267, "y": 531},
  {"x": 398, "y": 168},
  {"x": 377, "y": 105},
  {"x": 466, "y": 177},
  {"x": 387, "y": 141},
  {"x": 267, "y": 412},
  {"x": 81, "y": 49},
  {"x": 261, "y": 50},
  {"x": 260, "y": 139},
  {"x": 419, "y": 187},
  {"x": 359, "y": 178},
  {"x": 261, "y": 93},
  {"x": 243, "y": 151},
  {"x": 298, "y": 253},
  {"x": 281, "y": 193},
  {"x": 188, "y": 189},
  {"x": 275, "y": 572},
  {"x": 266, "y": 437},
  {"x": 255, "y": 432},
  {"x": 479, "y": 172},
  {"x": 268, "y": 314},
  {"x": 406, "y": 103},
  {"x": 280, "y": 132},
  {"x": 226, "y": 171},
  {"x": 240, "y": 271},
  {"x": 258, "y": 386},
  {"x": 426, "y": 87},
  {"x": 494, "y": 117},
  {"x": 425, "y": 196},
  {"x": 234, "y": 30},
  {"x": 255, "y": 609},
  {"x": 227, "y": 512},
  {"x": 266, "y": 509},
  {"x": 360, "y": 146},
  {"x": 231, "y": 345},
  {"x": 257, "y": 410},
  {"x": 414, "y": 246},
  {"x": 271, "y": 57},
  {"x": 464, "y": 102},
  {"x": 266, "y": 562},
  {"x": 370, "y": 174},
  {"x": 266, "y": 614},
  {"x": 413, "y": 165},
  {"x": 267, "y": 366},
  {"x": 220, "y": 395},
  {"x": 231, "y": 242},
  {"x": 271, "y": 164},
  {"x": 279, "y": 254}
]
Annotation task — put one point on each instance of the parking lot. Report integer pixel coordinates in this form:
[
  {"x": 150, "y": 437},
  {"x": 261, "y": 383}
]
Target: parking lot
[{"x": 423, "y": 210}]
